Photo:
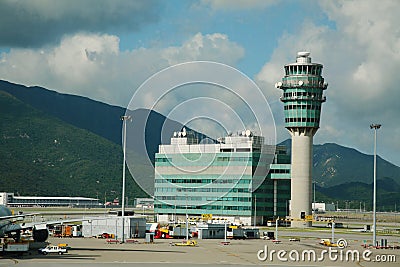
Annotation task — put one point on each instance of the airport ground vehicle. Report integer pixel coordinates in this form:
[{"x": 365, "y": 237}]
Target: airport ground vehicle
[
  {"x": 337, "y": 225},
  {"x": 64, "y": 245},
  {"x": 188, "y": 243},
  {"x": 53, "y": 249},
  {"x": 327, "y": 243},
  {"x": 284, "y": 223},
  {"x": 237, "y": 232},
  {"x": 62, "y": 231},
  {"x": 162, "y": 233},
  {"x": 105, "y": 235},
  {"x": 271, "y": 223},
  {"x": 172, "y": 231},
  {"x": 268, "y": 235}
]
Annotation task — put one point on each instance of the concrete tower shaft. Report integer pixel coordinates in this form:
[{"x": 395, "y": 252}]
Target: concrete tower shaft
[{"x": 303, "y": 88}]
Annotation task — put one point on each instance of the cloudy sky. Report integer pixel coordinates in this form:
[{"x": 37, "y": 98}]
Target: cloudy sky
[{"x": 106, "y": 49}]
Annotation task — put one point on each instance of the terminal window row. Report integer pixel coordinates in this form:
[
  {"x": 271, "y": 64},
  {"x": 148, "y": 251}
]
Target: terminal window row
[
  {"x": 279, "y": 171},
  {"x": 294, "y": 83},
  {"x": 303, "y": 94},
  {"x": 180, "y": 198},
  {"x": 203, "y": 181},
  {"x": 163, "y": 159},
  {"x": 284, "y": 189},
  {"x": 200, "y": 189},
  {"x": 270, "y": 209},
  {"x": 244, "y": 159},
  {"x": 303, "y": 69},
  {"x": 224, "y": 199},
  {"x": 233, "y": 158},
  {"x": 308, "y": 80},
  {"x": 205, "y": 207},
  {"x": 301, "y": 120},
  {"x": 245, "y": 149},
  {"x": 302, "y": 78},
  {"x": 47, "y": 201},
  {"x": 316, "y": 106},
  {"x": 265, "y": 200}
]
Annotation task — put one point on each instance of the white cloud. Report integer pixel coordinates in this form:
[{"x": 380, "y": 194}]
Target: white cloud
[
  {"x": 216, "y": 47},
  {"x": 361, "y": 57},
  {"x": 93, "y": 65},
  {"x": 80, "y": 58},
  {"x": 238, "y": 4}
]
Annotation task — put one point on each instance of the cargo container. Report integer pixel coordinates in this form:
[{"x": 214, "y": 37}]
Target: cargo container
[{"x": 14, "y": 247}]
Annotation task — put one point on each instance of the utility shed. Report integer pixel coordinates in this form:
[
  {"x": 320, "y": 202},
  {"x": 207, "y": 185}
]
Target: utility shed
[
  {"x": 211, "y": 231},
  {"x": 135, "y": 227}
]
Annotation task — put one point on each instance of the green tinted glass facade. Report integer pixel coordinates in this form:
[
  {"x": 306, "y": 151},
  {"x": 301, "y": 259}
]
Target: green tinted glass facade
[
  {"x": 274, "y": 193},
  {"x": 219, "y": 180}
]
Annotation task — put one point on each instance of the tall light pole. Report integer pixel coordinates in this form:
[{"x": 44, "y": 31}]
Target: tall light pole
[
  {"x": 124, "y": 119},
  {"x": 255, "y": 210},
  {"x": 375, "y": 127},
  {"x": 314, "y": 199},
  {"x": 187, "y": 219}
]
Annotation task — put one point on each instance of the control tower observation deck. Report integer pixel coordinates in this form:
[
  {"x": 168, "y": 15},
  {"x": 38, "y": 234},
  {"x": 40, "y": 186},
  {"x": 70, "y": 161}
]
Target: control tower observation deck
[{"x": 303, "y": 88}]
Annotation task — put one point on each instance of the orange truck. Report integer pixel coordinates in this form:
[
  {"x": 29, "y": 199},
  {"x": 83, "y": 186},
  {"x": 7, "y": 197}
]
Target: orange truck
[{"x": 63, "y": 231}]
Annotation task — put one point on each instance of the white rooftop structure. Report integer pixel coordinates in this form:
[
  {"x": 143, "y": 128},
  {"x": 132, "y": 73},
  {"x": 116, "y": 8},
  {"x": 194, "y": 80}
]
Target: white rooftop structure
[{"x": 186, "y": 142}]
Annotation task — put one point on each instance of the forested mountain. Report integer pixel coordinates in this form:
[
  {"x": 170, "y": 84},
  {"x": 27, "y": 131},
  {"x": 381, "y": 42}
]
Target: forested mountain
[
  {"x": 64, "y": 145},
  {"x": 42, "y": 155}
]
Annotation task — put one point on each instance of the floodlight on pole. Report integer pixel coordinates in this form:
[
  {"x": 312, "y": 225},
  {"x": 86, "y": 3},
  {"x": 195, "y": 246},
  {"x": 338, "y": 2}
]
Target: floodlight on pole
[
  {"x": 124, "y": 119},
  {"x": 375, "y": 127}
]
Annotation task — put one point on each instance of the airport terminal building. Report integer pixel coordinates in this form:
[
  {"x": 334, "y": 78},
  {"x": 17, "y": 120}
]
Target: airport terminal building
[
  {"x": 12, "y": 200},
  {"x": 238, "y": 178}
]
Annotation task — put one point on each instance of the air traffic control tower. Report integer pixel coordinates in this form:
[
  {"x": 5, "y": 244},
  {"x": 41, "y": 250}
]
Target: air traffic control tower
[{"x": 303, "y": 88}]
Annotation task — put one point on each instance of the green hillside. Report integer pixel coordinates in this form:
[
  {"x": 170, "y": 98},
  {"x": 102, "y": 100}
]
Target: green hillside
[
  {"x": 42, "y": 155},
  {"x": 344, "y": 175},
  {"x": 99, "y": 118},
  {"x": 351, "y": 194},
  {"x": 59, "y": 144},
  {"x": 334, "y": 165}
]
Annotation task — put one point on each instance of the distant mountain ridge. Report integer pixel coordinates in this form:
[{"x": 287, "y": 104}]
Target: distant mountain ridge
[
  {"x": 357, "y": 193},
  {"x": 42, "y": 155},
  {"x": 99, "y": 118},
  {"x": 335, "y": 166}
]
